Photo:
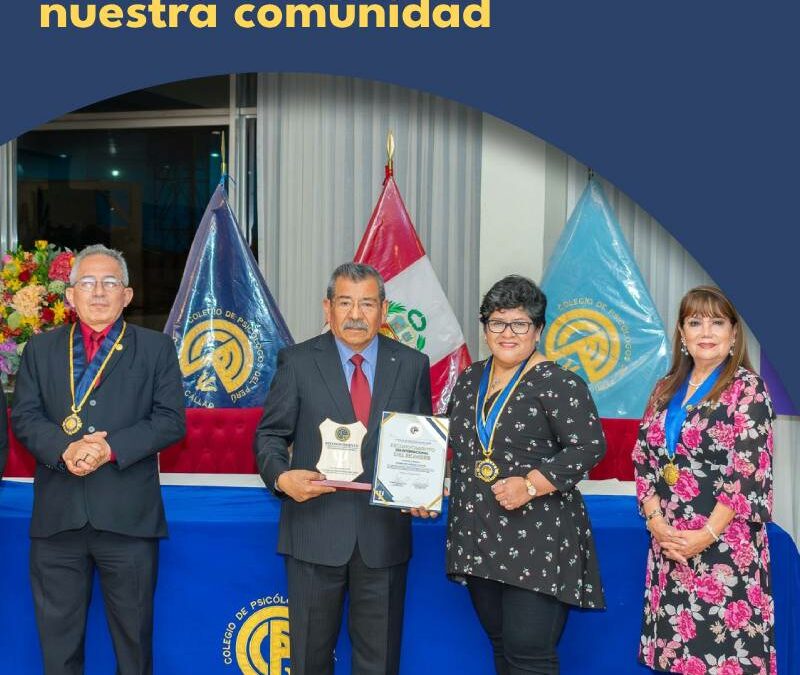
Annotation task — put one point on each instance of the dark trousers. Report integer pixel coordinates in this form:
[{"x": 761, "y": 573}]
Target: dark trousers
[
  {"x": 375, "y": 621},
  {"x": 62, "y": 571},
  {"x": 523, "y": 626}
]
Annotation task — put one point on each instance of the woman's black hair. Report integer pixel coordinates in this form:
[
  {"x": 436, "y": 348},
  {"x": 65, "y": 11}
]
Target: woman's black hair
[{"x": 515, "y": 291}]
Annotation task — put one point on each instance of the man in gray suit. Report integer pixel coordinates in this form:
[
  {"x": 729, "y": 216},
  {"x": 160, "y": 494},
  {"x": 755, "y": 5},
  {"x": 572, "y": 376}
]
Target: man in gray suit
[
  {"x": 334, "y": 541},
  {"x": 94, "y": 403}
]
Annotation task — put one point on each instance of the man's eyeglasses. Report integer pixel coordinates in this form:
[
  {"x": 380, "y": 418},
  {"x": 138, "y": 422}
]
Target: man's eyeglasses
[
  {"x": 346, "y": 305},
  {"x": 517, "y": 327},
  {"x": 88, "y": 284}
]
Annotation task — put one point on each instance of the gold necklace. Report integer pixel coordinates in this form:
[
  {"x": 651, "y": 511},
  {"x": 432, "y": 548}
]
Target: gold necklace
[
  {"x": 502, "y": 380},
  {"x": 497, "y": 383}
]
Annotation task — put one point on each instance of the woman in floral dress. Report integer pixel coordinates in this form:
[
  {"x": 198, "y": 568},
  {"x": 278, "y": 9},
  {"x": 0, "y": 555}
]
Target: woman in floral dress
[
  {"x": 523, "y": 431},
  {"x": 703, "y": 464}
]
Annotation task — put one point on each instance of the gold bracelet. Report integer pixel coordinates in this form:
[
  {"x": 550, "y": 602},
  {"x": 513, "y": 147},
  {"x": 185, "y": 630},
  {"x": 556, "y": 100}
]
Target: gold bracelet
[
  {"x": 712, "y": 533},
  {"x": 655, "y": 512}
]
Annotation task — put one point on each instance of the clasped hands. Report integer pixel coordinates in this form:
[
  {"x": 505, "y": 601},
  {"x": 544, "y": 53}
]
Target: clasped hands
[
  {"x": 302, "y": 485},
  {"x": 87, "y": 454},
  {"x": 679, "y": 545},
  {"x": 511, "y": 493}
]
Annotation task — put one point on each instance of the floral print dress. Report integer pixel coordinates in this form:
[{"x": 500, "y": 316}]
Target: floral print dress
[
  {"x": 714, "y": 615},
  {"x": 549, "y": 422}
]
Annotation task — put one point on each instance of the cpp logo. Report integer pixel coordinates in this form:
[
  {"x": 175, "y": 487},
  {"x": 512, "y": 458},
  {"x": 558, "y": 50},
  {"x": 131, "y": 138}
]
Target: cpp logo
[
  {"x": 261, "y": 645},
  {"x": 222, "y": 346},
  {"x": 584, "y": 339}
]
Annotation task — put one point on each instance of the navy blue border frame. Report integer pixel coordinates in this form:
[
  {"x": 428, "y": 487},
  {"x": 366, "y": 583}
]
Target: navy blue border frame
[{"x": 688, "y": 107}]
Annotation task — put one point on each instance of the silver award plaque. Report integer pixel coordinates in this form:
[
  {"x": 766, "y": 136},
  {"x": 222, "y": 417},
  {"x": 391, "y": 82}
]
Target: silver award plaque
[
  {"x": 410, "y": 466},
  {"x": 340, "y": 457}
]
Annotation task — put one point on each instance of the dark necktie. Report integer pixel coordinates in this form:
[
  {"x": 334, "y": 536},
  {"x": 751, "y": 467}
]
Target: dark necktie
[
  {"x": 359, "y": 390},
  {"x": 95, "y": 339}
]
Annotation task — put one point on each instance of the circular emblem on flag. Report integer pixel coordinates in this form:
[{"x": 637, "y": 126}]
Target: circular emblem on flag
[
  {"x": 342, "y": 434},
  {"x": 405, "y": 325},
  {"x": 220, "y": 345},
  {"x": 584, "y": 339}
]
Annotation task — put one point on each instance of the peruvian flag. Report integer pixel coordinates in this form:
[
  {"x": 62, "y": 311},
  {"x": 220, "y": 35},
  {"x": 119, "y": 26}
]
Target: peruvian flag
[{"x": 419, "y": 314}]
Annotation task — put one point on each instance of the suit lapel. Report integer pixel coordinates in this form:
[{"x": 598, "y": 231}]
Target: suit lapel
[
  {"x": 385, "y": 376},
  {"x": 330, "y": 367},
  {"x": 127, "y": 343}
]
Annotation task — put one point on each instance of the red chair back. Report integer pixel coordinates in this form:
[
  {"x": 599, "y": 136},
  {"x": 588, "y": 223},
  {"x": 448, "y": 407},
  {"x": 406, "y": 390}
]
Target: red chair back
[{"x": 220, "y": 440}]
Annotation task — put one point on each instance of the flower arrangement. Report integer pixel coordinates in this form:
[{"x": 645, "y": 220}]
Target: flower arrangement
[{"x": 32, "y": 285}]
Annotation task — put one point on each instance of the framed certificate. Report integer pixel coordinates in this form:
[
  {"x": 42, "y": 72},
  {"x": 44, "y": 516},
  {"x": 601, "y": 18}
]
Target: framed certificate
[{"x": 409, "y": 468}]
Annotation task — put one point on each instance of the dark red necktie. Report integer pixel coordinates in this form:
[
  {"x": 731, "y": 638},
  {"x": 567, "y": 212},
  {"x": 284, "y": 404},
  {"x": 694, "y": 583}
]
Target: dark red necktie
[
  {"x": 359, "y": 390},
  {"x": 95, "y": 338}
]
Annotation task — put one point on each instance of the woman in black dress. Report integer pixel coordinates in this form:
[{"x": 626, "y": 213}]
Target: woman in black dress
[{"x": 523, "y": 431}]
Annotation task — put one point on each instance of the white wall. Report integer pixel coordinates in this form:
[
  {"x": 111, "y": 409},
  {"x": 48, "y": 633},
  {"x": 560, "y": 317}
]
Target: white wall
[{"x": 513, "y": 172}]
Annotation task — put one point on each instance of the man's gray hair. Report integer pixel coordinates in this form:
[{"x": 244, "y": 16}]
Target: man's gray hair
[
  {"x": 356, "y": 272},
  {"x": 99, "y": 249}
]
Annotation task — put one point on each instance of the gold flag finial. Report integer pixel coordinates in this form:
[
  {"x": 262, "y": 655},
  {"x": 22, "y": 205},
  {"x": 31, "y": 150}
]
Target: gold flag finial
[{"x": 390, "y": 150}]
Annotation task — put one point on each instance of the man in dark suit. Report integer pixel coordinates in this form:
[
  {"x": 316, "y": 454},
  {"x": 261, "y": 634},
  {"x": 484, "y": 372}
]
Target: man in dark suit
[
  {"x": 333, "y": 540},
  {"x": 94, "y": 403}
]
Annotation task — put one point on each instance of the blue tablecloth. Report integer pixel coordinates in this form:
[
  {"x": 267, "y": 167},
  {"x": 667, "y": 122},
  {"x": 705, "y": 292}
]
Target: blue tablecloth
[{"x": 220, "y": 580}]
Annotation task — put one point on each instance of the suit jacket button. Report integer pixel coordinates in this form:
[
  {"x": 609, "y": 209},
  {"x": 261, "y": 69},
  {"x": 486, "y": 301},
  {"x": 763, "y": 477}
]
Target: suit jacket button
[
  {"x": 90, "y": 430},
  {"x": 93, "y": 402}
]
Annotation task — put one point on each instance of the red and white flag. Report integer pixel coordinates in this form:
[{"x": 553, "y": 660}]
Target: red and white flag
[{"x": 419, "y": 313}]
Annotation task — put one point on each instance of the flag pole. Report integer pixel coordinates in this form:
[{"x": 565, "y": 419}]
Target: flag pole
[{"x": 223, "y": 164}]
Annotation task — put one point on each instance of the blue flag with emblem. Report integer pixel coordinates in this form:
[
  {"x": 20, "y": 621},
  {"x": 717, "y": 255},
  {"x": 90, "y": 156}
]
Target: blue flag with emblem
[
  {"x": 601, "y": 320},
  {"x": 225, "y": 324}
]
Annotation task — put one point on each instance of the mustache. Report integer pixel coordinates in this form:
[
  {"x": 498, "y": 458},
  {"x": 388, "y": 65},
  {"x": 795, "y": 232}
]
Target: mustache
[{"x": 355, "y": 324}]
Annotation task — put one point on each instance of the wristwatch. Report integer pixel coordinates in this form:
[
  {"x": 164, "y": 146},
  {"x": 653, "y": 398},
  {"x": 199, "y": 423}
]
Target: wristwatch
[{"x": 531, "y": 487}]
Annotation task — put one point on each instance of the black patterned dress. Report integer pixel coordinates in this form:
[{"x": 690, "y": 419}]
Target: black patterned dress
[{"x": 550, "y": 422}]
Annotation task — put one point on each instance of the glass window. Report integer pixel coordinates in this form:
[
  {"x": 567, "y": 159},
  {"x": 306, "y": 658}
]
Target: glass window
[
  {"x": 247, "y": 90},
  {"x": 142, "y": 191}
]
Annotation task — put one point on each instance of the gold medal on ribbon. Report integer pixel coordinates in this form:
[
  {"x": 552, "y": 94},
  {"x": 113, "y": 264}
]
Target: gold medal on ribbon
[
  {"x": 671, "y": 474},
  {"x": 486, "y": 470},
  {"x": 72, "y": 424}
]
